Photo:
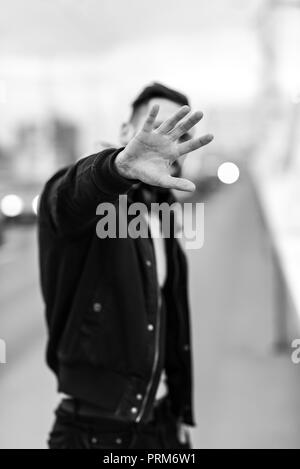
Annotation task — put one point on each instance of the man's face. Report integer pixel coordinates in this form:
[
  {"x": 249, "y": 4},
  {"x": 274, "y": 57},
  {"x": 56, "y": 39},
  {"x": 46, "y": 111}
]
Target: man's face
[{"x": 166, "y": 109}]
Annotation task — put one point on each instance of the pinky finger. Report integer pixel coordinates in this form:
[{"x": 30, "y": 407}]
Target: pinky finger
[
  {"x": 149, "y": 122},
  {"x": 194, "y": 144}
]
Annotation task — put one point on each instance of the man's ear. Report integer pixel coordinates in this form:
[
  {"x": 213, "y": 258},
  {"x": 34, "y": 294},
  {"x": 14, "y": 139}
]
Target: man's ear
[{"x": 126, "y": 133}]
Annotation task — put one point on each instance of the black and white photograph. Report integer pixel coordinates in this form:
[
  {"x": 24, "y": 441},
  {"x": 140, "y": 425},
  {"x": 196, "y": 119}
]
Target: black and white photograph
[{"x": 149, "y": 227}]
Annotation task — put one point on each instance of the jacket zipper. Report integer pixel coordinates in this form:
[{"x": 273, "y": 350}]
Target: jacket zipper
[
  {"x": 155, "y": 361},
  {"x": 157, "y": 346}
]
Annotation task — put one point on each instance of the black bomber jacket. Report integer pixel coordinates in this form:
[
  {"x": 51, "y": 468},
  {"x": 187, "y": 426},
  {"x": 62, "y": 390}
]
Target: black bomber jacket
[{"x": 98, "y": 300}]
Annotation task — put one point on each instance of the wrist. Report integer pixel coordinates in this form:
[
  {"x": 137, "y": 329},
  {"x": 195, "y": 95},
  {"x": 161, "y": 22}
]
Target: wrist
[{"x": 122, "y": 166}]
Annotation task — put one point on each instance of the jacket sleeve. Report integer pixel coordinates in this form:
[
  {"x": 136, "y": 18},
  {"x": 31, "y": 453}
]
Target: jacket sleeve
[{"x": 71, "y": 196}]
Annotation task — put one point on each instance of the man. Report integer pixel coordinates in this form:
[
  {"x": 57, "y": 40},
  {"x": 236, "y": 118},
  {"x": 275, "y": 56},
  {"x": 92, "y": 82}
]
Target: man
[{"x": 116, "y": 306}]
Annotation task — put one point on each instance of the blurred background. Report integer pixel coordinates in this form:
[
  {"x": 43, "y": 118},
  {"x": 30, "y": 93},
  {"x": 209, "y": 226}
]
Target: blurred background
[{"x": 68, "y": 71}]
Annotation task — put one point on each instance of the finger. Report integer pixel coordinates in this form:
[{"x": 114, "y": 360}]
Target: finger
[
  {"x": 186, "y": 125},
  {"x": 194, "y": 144},
  {"x": 170, "y": 123},
  {"x": 170, "y": 182},
  {"x": 149, "y": 122}
]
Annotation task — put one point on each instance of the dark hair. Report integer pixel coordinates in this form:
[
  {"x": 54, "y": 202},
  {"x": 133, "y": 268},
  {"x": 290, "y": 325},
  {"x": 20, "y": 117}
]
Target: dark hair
[{"x": 157, "y": 90}]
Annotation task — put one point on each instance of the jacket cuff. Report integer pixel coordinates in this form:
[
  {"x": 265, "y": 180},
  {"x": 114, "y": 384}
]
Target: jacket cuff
[
  {"x": 106, "y": 176},
  {"x": 187, "y": 416}
]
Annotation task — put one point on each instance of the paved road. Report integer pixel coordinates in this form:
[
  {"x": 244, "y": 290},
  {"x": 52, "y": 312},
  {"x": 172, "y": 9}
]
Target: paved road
[
  {"x": 245, "y": 395},
  {"x": 26, "y": 387}
]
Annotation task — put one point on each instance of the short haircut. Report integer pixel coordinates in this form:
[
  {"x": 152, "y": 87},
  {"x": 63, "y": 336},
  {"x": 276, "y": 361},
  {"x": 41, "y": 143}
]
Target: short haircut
[{"x": 158, "y": 90}]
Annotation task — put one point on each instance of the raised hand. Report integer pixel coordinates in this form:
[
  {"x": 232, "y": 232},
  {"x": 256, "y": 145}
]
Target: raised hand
[{"x": 149, "y": 156}]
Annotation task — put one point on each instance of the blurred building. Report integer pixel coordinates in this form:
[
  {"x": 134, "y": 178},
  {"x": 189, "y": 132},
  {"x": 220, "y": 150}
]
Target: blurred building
[{"x": 41, "y": 148}]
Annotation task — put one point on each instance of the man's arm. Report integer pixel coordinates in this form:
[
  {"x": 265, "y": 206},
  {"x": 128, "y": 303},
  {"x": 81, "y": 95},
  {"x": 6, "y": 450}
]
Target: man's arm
[{"x": 70, "y": 198}]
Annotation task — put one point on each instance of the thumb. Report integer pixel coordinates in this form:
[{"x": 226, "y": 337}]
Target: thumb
[{"x": 180, "y": 184}]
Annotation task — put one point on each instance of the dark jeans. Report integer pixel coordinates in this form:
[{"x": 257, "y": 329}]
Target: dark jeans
[{"x": 71, "y": 431}]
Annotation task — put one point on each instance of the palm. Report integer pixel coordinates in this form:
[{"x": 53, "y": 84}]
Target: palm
[
  {"x": 155, "y": 144},
  {"x": 158, "y": 153},
  {"x": 151, "y": 153}
]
